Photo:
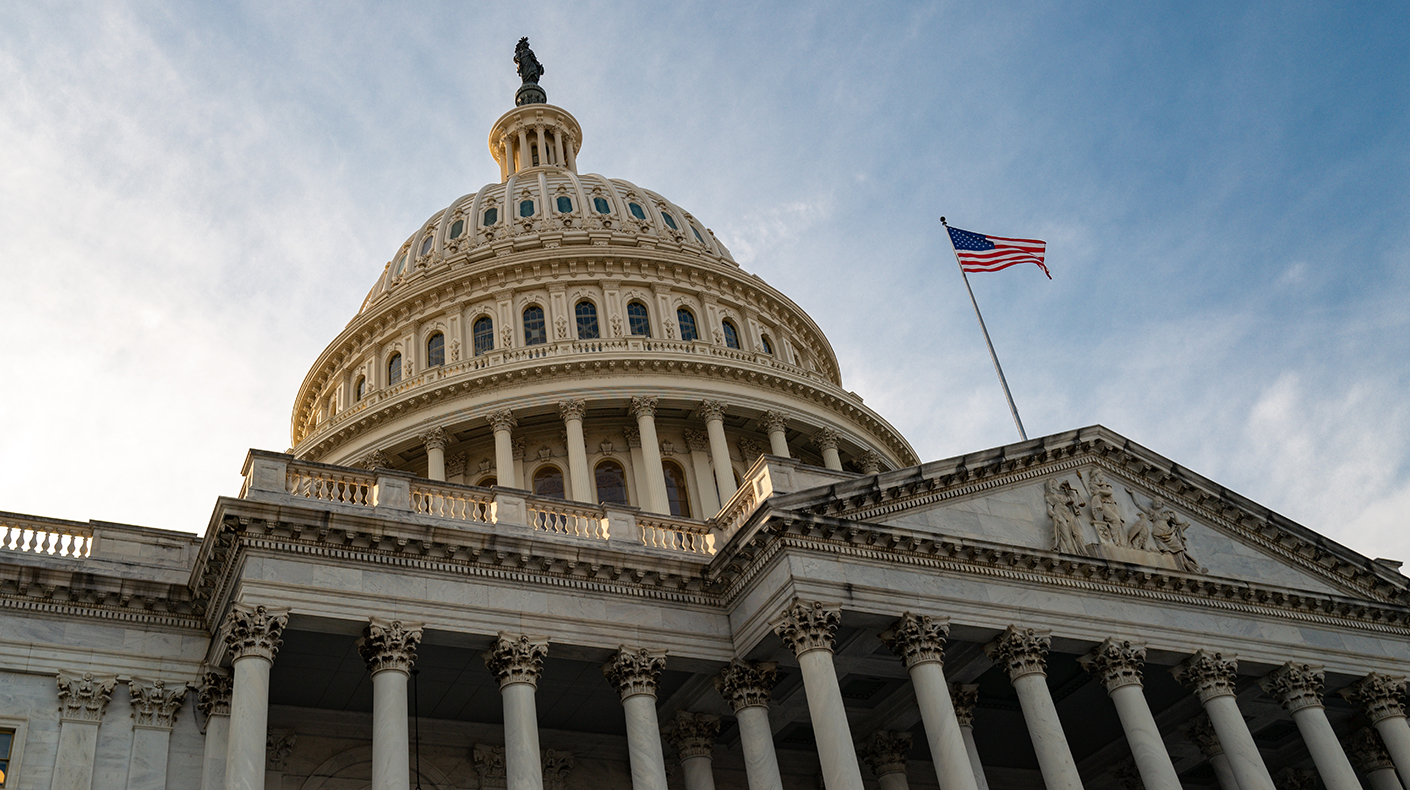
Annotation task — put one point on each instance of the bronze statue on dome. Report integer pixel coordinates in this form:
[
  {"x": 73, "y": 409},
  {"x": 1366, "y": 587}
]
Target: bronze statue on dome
[{"x": 530, "y": 69}]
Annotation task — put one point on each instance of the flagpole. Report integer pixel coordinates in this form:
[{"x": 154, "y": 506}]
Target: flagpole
[{"x": 1023, "y": 436}]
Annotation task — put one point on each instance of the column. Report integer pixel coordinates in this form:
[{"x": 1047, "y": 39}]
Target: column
[
  {"x": 539, "y": 146},
  {"x": 869, "y": 461},
  {"x": 808, "y": 628},
  {"x": 644, "y": 410},
  {"x": 919, "y": 641},
  {"x": 746, "y": 685},
  {"x": 213, "y": 701},
  {"x": 389, "y": 649},
  {"x": 964, "y": 698},
  {"x": 885, "y": 754},
  {"x": 435, "y": 441},
  {"x": 826, "y": 440},
  {"x": 1298, "y": 688},
  {"x": 517, "y": 661},
  {"x": 1371, "y": 756},
  {"x": 571, "y": 154},
  {"x": 82, "y": 701},
  {"x": 714, "y": 413},
  {"x": 572, "y": 412},
  {"x": 1202, "y": 734},
  {"x": 505, "y": 166},
  {"x": 526, "y": 157},
  {"x": 558, "y": 151},
  {"x": 634, "y": 672},
  {"x": 704, "y": 476},
  {"x": 1023, "y": 654},
  {"x": 777, "y": 425},
  {"x": 253, "y": 635},
  {"x": 1118, "y": 665},
  {"x": 692, "y": 735},
  {"x": 1382, "y": 698},
  {"x": 154, "y": 708},
  {"x": 504, "y": 424},
  {"x": 1211, "y": 677}
]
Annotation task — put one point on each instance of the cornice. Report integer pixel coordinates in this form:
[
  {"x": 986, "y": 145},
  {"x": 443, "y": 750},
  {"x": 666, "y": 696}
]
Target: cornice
[{"x": 84, "y": 594}]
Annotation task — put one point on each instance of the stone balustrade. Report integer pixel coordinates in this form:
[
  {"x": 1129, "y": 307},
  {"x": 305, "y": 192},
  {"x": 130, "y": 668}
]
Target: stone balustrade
[{"x": 23, "y": 534}]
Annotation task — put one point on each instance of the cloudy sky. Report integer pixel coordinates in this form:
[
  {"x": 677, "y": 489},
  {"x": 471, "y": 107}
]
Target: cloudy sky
[{"x": 194, "y": 198}]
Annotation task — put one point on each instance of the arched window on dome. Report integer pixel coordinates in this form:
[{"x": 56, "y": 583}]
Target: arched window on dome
[
  {"x": 426, "y": 243},
  {"x": 458, "y": 227},
  {"x": 565, "y": 204},
  {"x": 670, "y": 220},
  {"x": 401, "y": 266},
  {"x": 436, "y": 350},
  {"x": 548, "y": 481},
  {"x": 686, "y": 320},
  {"x": 491, "y": 217},
  {"x": 677, "y": 495},
  {"x": 638, "y": 320},
  {"x": 601, "y": 206},
  {"x": 611, "y": 482},
  {"x": 394, "y": 369},
  {"x": 636, "y": 210},
  {"x": 696, "y": 231},
  {"x": 535, "y": 329},
  {"x": 731, "y": 333},
  {"x": 526, "y": 208},
  {"x": 484, "y": 335},
  {"x": 768, "y": 347},
  {"x": 586, "y": 313},
  {"x": 360, "y": 389}
]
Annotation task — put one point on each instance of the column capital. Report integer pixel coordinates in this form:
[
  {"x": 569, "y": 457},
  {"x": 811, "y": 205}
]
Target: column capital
[
  {"x": 502, "y": 420},
  {"x": 154, "y": 705},
  {"x": 918, "y": 639},
  {"x": 1295, "y": 686},
  {"x": 376, "y": 459},
  {"x": 1368, "y": 751},
  {"x": 964, "y": 696},
  {"x": 556, "y": 766},
  {"x": 213, "y": 695},
  {"x": 635, "y": 670},
  {"x": 517, "y": 658},
  {"x": 1208, "y": 674},
  {"x": 277, "y": 749},
  {"x": 255, "y": 631},
  {"x": 572, "y": 409},
  {"x": 1201, "y": 733},
  {"x": 747, "y": 684},
  {"x": 693, "y": 734},
  {"x": 869, "y": 461},
  {"x": 389, "y": 644},
  {"x": 1116, "y": 664},
  {"x": 1380, "y": 696},
  {"x": 85, "y": 697},
  {"x": 808, "y": 625},
  {"x": 1297, "y": 779},
  {"x": 643, "y": 406},
  {"x": 1021, "y": 651},
  {"x": 697, "y": 441},
  {"x": 774, "y": 421},
  {"x": 825, "y": 439},
  {"x": 886, "y": 752},
  {"x": 435, "y": 439},
  {"x": 633, "y": 437},
  {"x": 1128, "y": 774},
  {"x": 712, "y": 410},
  {"x": 489, "y": 765}
]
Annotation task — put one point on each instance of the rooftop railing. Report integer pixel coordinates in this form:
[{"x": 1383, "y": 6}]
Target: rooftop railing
[{"x": 44, "y": 537}]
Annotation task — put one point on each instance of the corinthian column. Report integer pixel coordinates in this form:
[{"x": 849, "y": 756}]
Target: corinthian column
[
  {"x": 82, "y": 701},
  {"x": 965, "y": 697},
  {"x": 517, "y": 661},
  {"x": 213, "y": 701},
  {"x": 826, "y": 440},
  {"x": 389, "y": 649},
  {"x": 644, "y": 410},
  {"x": 745, "y": 686},
  {"x": 919, "y": 640},
  {"x": 435, "y": 441},
  {"x": 154, "y": 708},
  {"x": 1298, "y": 688},
  {"x": 1211, "y": 676},
  {"x": 253, "y": 635},
  {"x": 1201, "y": 733},
  {"x": 885, "y": 754},
  {"x": 572, "y": 412},
  {"x": 809, "y": 629},
  {"x": 504, "y": 424},
  {"x": 777, "y": 426},
  {"x": 692, "y": 735},
  {"x": 1382, "y": 698},
  {"x": 1371, "y": 756},
  {"x": 1118, "y": 666},
  {"x": 1023, "y": 654},
  {"x": 714, "y": 413},
  {"x": 634, "y": 672}
]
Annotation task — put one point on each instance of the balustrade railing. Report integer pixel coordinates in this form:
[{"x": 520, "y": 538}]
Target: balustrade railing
[
  {"x": 454, "y": 503},
  {"x": 348, "y": 487},
  {"x": 664, "y": 533},
  {"x": 565, "y": 518},
  {"x": 34, "y": 536},
  {"x": 737, "y": 510}
]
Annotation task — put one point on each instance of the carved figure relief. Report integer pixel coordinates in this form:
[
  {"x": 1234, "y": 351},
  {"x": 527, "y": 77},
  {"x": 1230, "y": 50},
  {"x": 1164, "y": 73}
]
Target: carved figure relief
[
  {"x": 1157, "y": 530},
  {"x": 1065, "y": 509},
  {"x": 1167, "y": 531},
  {"x": 1106, "y": 514}
]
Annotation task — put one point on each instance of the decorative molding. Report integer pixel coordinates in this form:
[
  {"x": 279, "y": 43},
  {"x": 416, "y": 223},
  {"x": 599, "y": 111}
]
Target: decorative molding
[
  {"x": 774, "y": 421},
  {"x": 376, "y": 459},
  {"x": 1368, "y": 751},
  {"x": 572, "y": 410},
  {"x": 869, "y": 461},
  {"x": 389, "y": 645},
  {"x": 1116, "y": 663},
  {"x": 643, "y": 406},
  {"x": 693, "y": 734},
  {"x": 502, "y": 420},
  {"x": 1209, "y": 675},
  {"x": 712, "y": 410},
  {"x": 1297, "y": 779},
  {"x": 1021, "y": 651},
  {"x": 918, "y": 639},
  {"x": 556, "y": 766},
  {"x": 633, "y": 437},
  {"x": 749, "y": 450},
  {"x": 633, "y": 671},
  {"x": 825, "y": 439},
  {"x": 213, "y": 694},
  {"x": 1295, "y": 686},
  {"x": 1380, "y": 696},
  {"x": 277, "y": 749},
  {"x": 1201, "y": 733},
  {"x": 697, "y": 441},
  {"x": 153, "y": 704},
  {"x": 808, "y": 625},
  {"x": 435, "y": 439},
  {"x": 964, "y": 697},
  {"x": 254, "y": 631},
  {"x": 517, "y": 658},
  {"x": 886, "y": 752},
  {"x": 489, "y": 765},
  {"x": 84, "y": 698},
  {"x": 747, "y": 684}
]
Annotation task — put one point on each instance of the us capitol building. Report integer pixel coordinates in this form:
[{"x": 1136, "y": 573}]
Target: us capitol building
[{"x": 576, "y": 502}]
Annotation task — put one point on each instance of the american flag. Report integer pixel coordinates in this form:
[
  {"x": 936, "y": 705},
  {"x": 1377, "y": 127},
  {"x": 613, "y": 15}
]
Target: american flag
[{"x": 980, "y": 253}]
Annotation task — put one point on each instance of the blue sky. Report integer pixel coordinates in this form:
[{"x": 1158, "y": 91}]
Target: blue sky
[{"x": 195, "y": 198}]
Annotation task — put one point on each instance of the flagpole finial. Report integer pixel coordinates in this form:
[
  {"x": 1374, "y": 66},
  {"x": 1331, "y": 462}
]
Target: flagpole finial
[{"x": 943, "y": 222}]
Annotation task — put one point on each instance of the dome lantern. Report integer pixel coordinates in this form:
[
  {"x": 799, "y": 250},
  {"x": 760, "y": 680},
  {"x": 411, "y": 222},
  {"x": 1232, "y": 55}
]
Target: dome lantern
[{"x": 534, "y": 133}]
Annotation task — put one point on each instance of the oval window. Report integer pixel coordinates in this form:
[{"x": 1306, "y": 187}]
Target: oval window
[
  {"x": 670, "y": 220},
  {"x": 491, "y": 217},
  {"x": 565, "y": 204},
  {"x": 601, "y": 205},
  {"x": 636, "y": 211},
  {"x": 426, "y": 244},
  {"x": 526, "y": 208},
  {"x": 458, "y": 227}
]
